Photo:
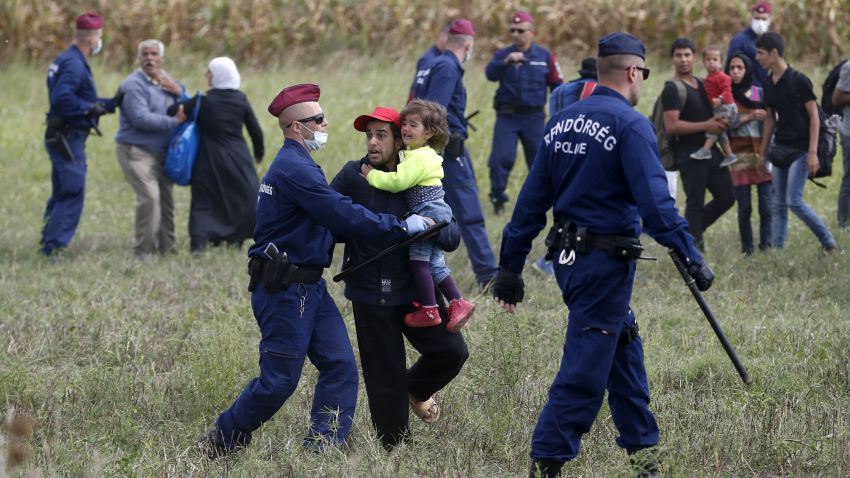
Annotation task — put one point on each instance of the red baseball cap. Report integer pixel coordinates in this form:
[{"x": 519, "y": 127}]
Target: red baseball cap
[
  {"x": 380, "y": 113},
  {"x": 763, "y": 7},
  {"x": 89, "y": 21},
  {"x": 520, "y": 17},
  {"x": 462, "y": 26},
  {"x": 293, "y": 95}
]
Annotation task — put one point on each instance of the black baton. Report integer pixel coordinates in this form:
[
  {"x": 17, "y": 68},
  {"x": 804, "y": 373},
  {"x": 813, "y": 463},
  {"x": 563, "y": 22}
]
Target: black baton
[
  {"x": 419, "y": 236},
  {"x": 709, "y": 315}
]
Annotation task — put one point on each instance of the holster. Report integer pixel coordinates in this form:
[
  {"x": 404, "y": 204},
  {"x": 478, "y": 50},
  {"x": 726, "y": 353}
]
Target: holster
[
  {"x": 277, "y": 274},
  {"x": 55, "y": 137},
  {"x": 454, "y": 148}
]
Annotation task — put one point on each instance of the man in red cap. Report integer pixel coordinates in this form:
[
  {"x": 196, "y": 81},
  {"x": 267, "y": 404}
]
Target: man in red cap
[
  {"x": 381, "y": 295},
  {"x": 441, "y": 80},
  {"x": 745, "y": 40},
  {"x": 298, "y": 215},
  {"x": 74, "y": 111},
  {"x": 524, "y": 71}
]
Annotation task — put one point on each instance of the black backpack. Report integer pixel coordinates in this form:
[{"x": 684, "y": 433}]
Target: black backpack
[
  {"x": 827, "y": 136},
  {"x": 664, "y": 140},
  {"x": 828, "y": 88}
]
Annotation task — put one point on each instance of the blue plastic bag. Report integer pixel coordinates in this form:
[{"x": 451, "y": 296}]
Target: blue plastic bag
[{"x": 183, "y": 148}]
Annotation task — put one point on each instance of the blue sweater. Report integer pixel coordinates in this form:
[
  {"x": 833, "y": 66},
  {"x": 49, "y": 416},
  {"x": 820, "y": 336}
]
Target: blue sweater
[{"x": 144, "y": 122}]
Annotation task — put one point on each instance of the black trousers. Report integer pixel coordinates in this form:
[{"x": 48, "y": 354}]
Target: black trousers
[
  {"x": 380, "y": 338},
  {"x": 697, "y": 177}
]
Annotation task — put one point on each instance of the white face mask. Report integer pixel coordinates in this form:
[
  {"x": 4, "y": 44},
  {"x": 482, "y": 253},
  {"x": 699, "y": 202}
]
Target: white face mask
[
  {"x": 468, "y": 54},
  {"x": 759, "y": 27},
  {"x": 97, "y": 47},
  {"x": 318, "y": 140}
]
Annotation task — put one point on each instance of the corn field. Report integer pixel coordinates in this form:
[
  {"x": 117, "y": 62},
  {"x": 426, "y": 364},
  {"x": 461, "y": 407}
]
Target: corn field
[{"x": 269, "y": 32}]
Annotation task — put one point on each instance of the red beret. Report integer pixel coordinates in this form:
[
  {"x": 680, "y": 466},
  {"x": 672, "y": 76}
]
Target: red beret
[
  {"x": 763, "y": 7},
  {"x": 520, "y": 17},
  {"x": 292, "y": 96},
  {"x": 462, "y": 26},
  {"x": 89, "y": 21},
  {"x": 380, "y": 113}
]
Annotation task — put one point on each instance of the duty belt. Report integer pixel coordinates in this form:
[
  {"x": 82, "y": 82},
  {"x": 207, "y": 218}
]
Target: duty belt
[
  {"x": 277, "y": 275},
  {"x": 566, "y": 239},
  {"x": 509, "y": 109}
]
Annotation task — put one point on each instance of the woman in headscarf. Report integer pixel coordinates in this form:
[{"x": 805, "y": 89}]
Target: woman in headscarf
[
  {"x": 224, "y": 179},
  {"x": 746, "y": 143}
]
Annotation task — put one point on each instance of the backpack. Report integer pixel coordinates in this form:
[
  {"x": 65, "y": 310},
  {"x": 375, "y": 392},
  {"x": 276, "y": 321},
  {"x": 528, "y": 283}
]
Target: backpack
[
  {"x": 827, "y": 136},
  {"x": 665, "y": 141},
  {"x": 183, "y": 148},
  {"x": 828, "y": 88},
  {"x": 569, "y": 93}
]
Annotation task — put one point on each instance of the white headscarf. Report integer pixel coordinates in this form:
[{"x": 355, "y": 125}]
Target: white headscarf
[{"x": 225, "y": 76}]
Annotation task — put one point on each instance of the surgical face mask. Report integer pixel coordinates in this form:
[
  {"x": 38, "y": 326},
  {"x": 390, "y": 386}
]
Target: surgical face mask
[
  {"x": 97, "y": 47},
  {"x": 468, "y": 54},
  {"x": 318, "y": 140},
  {"x": 759, "y": 27}
]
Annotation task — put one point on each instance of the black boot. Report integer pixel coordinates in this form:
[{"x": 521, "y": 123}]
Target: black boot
[
  {"x": 544, "y": 469},
  {"x": 212, "y": 444},
  {"x": 644, "y": 461}
]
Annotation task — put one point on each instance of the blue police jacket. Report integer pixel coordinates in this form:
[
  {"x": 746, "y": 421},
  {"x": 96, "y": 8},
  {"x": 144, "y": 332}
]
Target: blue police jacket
[
  {"x": 441, "y": 80},
  {"x": 745, "y": 41},
  {"x": 71, "y": 90},
  {"x": 524, "y": 84},
  {"x": 597, "y": 167},
  {"x": 426, "y": 58},
  {"x": 299, "y": 212}
]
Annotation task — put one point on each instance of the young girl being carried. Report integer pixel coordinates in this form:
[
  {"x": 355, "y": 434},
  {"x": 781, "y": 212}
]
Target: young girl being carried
[{"x": 425, "y": 131}]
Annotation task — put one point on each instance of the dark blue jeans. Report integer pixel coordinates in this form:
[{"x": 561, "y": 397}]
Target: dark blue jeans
[{"x": 745, "y": 210}]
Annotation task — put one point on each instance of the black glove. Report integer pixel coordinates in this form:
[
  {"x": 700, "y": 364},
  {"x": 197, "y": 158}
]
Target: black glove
[
  {"x": 508, "y": 287},
  {"x": 702, "y": 274},
  {"x": 97, "y": 110},
  {"x": 118, "y": 98},
  {"x": 448, "y": 239}
]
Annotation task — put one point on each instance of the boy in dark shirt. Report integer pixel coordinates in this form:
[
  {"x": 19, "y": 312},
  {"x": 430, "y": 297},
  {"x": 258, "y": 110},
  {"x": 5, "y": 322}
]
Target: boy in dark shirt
[{"x": 792, "y": 113}]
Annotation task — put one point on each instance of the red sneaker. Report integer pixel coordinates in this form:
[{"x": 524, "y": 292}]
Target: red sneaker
[
  {"x": 460, "y": 310},
  {"x": 425, "y": 316}
]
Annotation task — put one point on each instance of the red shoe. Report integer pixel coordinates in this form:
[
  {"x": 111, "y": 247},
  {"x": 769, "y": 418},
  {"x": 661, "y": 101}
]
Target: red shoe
[
  {"x": 425, "y": 316},
  {"x": 460, "y": 310}
]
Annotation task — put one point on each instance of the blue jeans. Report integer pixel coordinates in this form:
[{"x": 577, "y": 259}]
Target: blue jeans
[
  {"x": 844, "y": 192},
  {"x": 788, "y": 187},
  {"x": 745, "y": 210},
  {"x": 428, "y": 250}
]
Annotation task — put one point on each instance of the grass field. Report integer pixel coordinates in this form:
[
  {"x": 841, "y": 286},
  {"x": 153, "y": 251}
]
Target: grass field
[{"x": 121, "y": 362}]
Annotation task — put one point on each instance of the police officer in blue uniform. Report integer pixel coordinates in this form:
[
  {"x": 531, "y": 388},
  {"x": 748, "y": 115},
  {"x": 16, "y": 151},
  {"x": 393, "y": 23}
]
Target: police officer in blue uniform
[
  {"x": 298, "y": 215},
  {"x": 430, "y": 55},
  {"x": 441, "y": 80},
  {"x": 598, "y": 168},
  {"x": 74, "y": 111},
  {"x": 524, "y": 71}
]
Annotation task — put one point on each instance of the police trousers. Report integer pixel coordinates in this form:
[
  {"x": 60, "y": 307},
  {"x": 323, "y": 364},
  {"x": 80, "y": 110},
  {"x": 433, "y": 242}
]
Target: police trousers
[
  {"x": 288, "y": 337},
  {"x": 65, "y": 205},
  {"x": 528, "y": 128},
  {"x": 597, "y": 289},
  {"x": 462, "y": 196},
  {"x": 380, "y": 339}
]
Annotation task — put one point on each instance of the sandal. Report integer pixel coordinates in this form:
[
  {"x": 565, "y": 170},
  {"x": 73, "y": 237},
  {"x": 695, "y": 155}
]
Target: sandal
[{"x": 427, "y": 411}]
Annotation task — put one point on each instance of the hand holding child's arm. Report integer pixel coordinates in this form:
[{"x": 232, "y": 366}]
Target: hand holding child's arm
[{"x": 365, "y": 169}]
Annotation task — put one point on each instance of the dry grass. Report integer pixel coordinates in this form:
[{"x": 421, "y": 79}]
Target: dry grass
[{"x": 264, "y": 32}]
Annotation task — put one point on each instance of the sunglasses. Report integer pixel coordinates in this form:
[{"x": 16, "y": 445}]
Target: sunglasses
[
  {"x": 517, "y": 30},
  {"x": 318, "y": 119},
  {"x": 644, "y": 71}
]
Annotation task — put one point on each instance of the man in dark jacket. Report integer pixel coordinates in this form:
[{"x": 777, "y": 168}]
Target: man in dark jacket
[{"x": 381, "y": 295}]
